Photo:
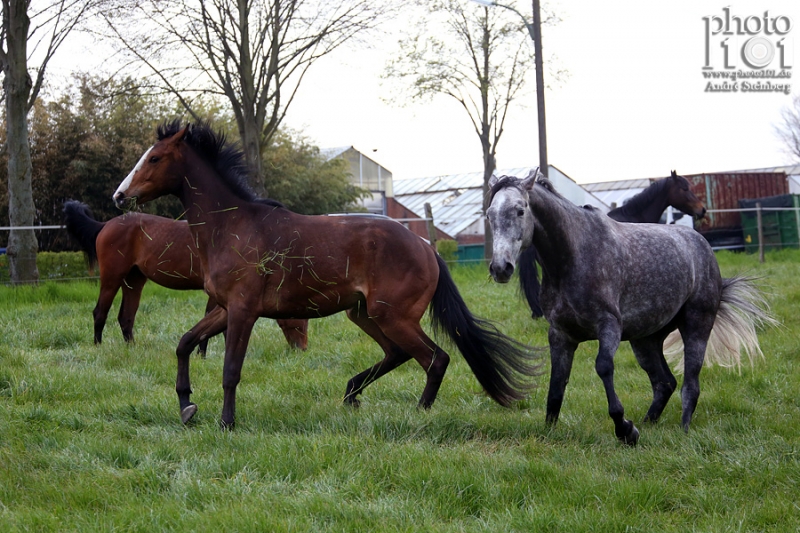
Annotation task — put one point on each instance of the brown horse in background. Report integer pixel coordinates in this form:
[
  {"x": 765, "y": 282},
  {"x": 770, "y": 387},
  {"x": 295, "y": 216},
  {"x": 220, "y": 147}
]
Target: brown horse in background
[
  {"x": 137, "y": 247},
  {"x": 263, "y": 260}
]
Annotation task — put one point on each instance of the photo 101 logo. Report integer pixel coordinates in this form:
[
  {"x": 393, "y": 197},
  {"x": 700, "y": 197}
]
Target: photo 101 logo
[{"x": 749, "y": 54}]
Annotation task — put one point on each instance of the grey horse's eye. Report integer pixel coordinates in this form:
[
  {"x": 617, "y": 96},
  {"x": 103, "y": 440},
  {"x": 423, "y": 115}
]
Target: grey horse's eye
[{"x": 520, "y": 212}]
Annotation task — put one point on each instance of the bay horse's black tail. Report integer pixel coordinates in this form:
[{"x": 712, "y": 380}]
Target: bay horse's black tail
[
  {"x": 500, "y": 363},
  {"x": 529, "y": 280},
  {"x": 82, "y": 226}
]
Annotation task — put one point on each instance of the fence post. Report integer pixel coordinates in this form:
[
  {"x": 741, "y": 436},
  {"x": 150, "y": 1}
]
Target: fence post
[
  {"x": 760, "y": 233},
  {"x": 429, "y": 223}
]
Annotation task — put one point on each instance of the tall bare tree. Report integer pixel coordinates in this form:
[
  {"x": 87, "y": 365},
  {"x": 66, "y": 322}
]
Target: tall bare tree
[
  {"x": 44, "y": 25},
  {"x": 789, "y": 128},
  {"x": 480, "y": 57},
  {"x": 254, "y": 53}
]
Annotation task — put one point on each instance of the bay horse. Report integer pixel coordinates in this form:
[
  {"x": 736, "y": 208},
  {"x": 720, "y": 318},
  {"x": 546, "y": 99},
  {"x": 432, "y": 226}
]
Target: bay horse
[
  {"x": 648, "y": 205},
  {"x": 644, "y": 207},
  {"x": 135, "y": 247},
  {"x": 264, "y": 260},
  {"x": 609, "y": 281}
]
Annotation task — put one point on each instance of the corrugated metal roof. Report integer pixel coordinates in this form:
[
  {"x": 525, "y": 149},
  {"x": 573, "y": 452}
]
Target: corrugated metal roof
[
  {"x": 617, "y": 185},
  {"x": 617, "y": 197},
  {"x": 452, "y": 182},
  {"x": 456, "y": 200},
  {"x": 788, "y": 169}
]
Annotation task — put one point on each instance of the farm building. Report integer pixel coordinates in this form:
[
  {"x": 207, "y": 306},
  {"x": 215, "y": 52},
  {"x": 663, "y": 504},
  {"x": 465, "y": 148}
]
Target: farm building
[
  {"x": 367, "y": 174},
  {"x": 457, "y": 200}
]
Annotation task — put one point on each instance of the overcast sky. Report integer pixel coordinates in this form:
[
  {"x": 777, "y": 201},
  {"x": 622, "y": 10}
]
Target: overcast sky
[{"x": 634, "y": 106}]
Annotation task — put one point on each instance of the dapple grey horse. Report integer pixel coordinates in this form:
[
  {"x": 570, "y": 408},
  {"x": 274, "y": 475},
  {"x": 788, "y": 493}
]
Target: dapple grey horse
[{"x": 609, "y": 281}]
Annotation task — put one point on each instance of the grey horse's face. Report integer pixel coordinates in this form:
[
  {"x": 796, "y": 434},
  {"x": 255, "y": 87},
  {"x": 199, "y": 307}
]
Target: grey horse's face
[{"x": 511, "y": 221}]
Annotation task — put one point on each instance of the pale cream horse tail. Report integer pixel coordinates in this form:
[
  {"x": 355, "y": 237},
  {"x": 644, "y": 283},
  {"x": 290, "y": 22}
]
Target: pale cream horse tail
[{"x": 743, "y": 309}]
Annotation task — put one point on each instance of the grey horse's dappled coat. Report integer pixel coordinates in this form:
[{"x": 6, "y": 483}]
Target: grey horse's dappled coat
[{"x": 609, "y": 281}]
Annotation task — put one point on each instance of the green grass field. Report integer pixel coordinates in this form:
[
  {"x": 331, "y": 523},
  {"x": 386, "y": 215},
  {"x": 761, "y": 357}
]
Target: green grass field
[{"x": 91, "y": 440}]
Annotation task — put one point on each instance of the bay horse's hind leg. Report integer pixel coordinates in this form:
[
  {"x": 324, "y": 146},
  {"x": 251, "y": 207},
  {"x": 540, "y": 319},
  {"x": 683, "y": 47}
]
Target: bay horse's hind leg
[
  {"x": 110, "y": 283},
  {"x": 393, "y": 358},
  {"x": 132, "y": 287},
  {"x": 401, "y": 339},
  {"x": 649, "y": 353}
]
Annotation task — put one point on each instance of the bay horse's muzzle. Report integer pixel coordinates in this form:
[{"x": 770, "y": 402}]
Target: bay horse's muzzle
[
  {"x": 122, "y": 201},
  {"x": 501, "y": 272}
]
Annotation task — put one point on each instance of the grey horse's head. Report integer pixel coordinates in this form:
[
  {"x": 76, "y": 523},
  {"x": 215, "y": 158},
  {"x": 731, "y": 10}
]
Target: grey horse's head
[{"x": 511, "y": 221}]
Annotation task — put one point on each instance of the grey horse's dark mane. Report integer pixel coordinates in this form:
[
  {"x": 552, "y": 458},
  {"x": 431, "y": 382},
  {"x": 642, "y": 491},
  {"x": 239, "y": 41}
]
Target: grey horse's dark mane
[{"x": 504, "y": 182}]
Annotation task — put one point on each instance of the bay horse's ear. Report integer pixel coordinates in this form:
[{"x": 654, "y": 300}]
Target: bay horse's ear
[
  {"x": 673, "y": 175},
  {"x": 178, "y": 137},
  {"x": 493, "y": 179}
]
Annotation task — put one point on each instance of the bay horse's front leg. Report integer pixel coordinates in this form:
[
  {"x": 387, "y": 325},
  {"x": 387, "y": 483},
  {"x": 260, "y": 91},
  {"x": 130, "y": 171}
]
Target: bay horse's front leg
[
  {"x": 295, "y": 331},
  {"x": 132, "y": 287},
  {"x": 211, "y": 324},
  {"x": 610, "y": 334},
  {"x": 240, "y": 327},
  {"x": 203, "y": 346}
]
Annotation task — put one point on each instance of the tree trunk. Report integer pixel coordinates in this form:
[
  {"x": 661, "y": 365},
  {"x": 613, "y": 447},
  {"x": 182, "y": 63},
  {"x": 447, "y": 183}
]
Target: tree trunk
[
  {"x": 22, "y": 244},
  {"x": 489, "y": 164},
  {"x": 251, "y": 141}
]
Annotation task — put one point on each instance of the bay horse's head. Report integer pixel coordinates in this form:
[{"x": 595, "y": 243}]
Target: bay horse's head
[
  {"x": 158, "y": 172},
  {"x": 511, "y": 221},
  {"x": 680, "y": 196}
]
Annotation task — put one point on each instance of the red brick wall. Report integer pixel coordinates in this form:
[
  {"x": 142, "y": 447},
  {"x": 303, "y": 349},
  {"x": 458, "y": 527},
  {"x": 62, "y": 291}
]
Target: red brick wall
[{"x": 395, "y": 209}]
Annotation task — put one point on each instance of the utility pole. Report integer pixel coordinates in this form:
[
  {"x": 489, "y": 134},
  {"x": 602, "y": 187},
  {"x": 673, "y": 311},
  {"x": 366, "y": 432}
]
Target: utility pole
[{"x": 535, "y": 31}]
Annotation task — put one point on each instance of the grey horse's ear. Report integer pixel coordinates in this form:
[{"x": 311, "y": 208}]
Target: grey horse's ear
[
  {"x": 493, "y": 180},
  {"x": 530, "y": 179}
]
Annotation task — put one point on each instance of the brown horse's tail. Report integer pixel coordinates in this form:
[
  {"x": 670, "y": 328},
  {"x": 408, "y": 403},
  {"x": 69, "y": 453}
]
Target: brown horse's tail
[
  {"x": 501, "y": 364},
  {"x": 82, "y": 226}
]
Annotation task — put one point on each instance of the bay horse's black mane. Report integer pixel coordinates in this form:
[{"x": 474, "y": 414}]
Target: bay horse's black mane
[
  {"x": 641, "y": 201},
  {"x": 227, "y": 158}
]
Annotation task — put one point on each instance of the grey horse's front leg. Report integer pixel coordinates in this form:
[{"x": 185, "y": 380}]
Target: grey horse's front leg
[
  {"x": 610, "y": 335},
  {"x": 562, "y": 352}
]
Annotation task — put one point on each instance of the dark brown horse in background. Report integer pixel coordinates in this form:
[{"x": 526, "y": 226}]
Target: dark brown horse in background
[
  {"x": 136, "y": 247},
  {"x": 645, "y": 207},
  {"x": 263, "y": 260},
  {"x": 649, "y": 205}
]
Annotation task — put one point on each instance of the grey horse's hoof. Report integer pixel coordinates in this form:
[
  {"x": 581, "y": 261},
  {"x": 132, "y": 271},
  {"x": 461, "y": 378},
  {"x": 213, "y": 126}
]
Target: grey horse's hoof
[
  {"x": 188, "y": 412},
  {"x": 632, "y": 437}
]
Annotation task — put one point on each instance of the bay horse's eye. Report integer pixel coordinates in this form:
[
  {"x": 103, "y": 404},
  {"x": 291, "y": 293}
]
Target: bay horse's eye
[{"x": 154, "y": 159}]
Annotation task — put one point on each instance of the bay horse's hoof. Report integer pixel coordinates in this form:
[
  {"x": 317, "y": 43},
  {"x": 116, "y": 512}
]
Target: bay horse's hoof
[
  {"x": 226, "y": 426},
  {"x": 352, "y": 401},
  {"x": 188, "y": 412}
]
